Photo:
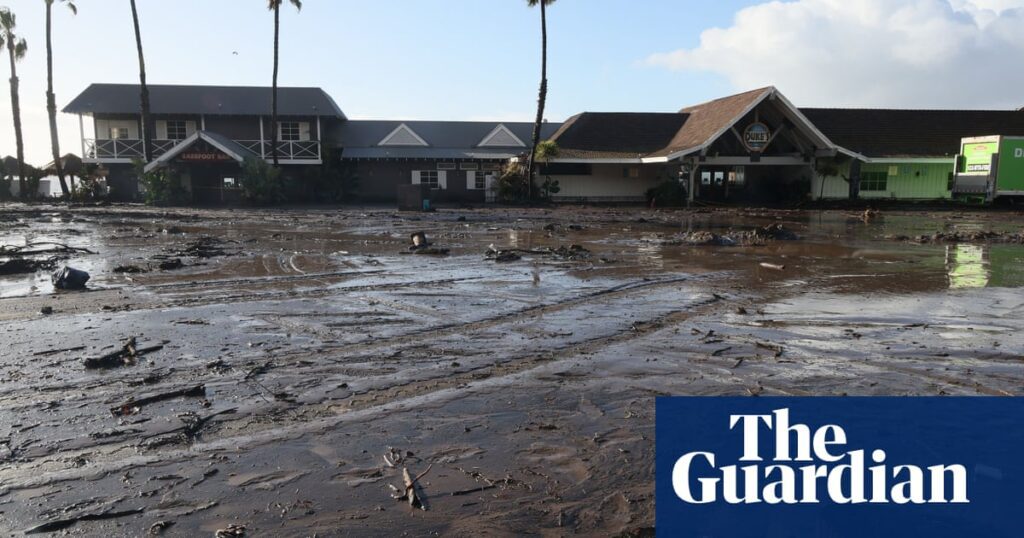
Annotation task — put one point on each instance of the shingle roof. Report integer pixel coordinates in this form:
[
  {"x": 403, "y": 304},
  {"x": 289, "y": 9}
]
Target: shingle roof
[
  {"x": 706, "y": 120},
  {"x": 911, "y": 133},
  {"x": 611, "y": 135},
  {"x": 209, "y": 100},
  {"x": 638, "y": 135},
  {"x": 445, "y": 139}
]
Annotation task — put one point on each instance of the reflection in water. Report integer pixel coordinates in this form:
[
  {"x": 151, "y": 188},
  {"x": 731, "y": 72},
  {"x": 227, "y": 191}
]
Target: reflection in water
[
  {"x": 968, "y": 266},
  {"x": 980, "y": 266}
]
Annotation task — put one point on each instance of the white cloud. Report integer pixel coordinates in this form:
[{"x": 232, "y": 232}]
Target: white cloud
[{"x": 882, "y": 53}]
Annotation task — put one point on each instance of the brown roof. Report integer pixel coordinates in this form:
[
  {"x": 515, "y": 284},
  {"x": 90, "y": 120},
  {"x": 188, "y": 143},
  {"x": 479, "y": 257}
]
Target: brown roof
[
  {"x": 603, "y": 135},
  {"x": 614, "y": 135},
  {"x": 709, "y": 119},
  {"x": 911, "y": 133}
]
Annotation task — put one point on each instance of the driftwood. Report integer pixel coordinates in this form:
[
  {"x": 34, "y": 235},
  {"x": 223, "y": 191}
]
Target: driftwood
[
  {"x": 411, "y": 493},
  {"x": 60, "y": 524},
  {"x": 56, "y": 248},
  {"x": 773, "y": 266},
  {"x": 131, "y": 406},
  {"x": 126, "y": 356}
]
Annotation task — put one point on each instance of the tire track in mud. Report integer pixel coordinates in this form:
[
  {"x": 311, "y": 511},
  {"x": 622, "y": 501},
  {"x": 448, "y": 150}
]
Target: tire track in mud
[{"x": 328, "y": 413}]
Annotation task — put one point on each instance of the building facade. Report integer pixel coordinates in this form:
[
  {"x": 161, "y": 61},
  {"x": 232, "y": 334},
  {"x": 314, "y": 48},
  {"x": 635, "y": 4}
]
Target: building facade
[{"x": 754, "y": 147}]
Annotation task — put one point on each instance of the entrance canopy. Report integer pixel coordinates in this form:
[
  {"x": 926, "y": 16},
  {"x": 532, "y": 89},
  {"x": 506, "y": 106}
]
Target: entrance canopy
[
  {"x": 203, "y": 147},
  {"x": 759, "y": 126}
]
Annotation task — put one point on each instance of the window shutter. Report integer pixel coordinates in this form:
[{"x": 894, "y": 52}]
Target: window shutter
[
  {"x": 442, "y": 180},
  {"x": 161, "y": 130},
  {"x": 470, "y": 180},
  {"x": 304, "y": 131},
  {"x": 415, "y": 177}
]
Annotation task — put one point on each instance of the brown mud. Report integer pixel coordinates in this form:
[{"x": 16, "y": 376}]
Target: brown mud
[{"x": 288, "y": 365}]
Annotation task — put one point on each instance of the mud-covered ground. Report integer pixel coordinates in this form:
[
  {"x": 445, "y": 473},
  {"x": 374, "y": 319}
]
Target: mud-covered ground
[{"x": 299, "y": 359}]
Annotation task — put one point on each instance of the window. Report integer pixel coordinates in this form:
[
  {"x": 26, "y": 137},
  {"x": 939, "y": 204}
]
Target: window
[
  {"x": 480, "y": 180},
  {"x": 566, "y": 169},
  {"x": 874, "y": 181},
  {"x": 469, "y": 166},
  {"x": 118, "y": 133},
  {"x": 290, "y": 131},
  {"x": 230, "y": 183},
  {"x": 632, "y": 172},
  {"x": 446, "y": 166},
  {"x": 429, "y": 177},
  {"x": 177, "y": 130},
  {"x": 492, "y": 167}
]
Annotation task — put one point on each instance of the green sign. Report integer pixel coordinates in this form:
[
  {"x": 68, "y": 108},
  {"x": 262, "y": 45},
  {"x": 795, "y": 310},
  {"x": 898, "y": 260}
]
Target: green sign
[{"x": 978, "y": 156}]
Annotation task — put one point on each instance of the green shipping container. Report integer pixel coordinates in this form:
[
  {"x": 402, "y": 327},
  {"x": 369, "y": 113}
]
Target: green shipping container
[{"x": 1010, "y": 175}]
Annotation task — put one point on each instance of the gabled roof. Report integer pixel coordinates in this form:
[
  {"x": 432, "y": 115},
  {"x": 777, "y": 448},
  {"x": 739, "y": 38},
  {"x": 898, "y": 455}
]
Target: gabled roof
[
  {"x": 501, "y": 137},
  {"x": 403, "y": 136},
  {"x": 231, "y": 148},
  {"x": 445, "y": 139},
  {"x": 207, "y": 100},
  {"x": 616, "y": 135},
  {"x": 657, "y": 137},
  {"x": 882, "y": 133}
]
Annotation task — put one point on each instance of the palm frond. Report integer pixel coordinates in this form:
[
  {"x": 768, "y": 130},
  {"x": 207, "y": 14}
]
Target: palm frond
[
  {"x": 71, "y": 5},
  {"x": 20, "y": 49}
]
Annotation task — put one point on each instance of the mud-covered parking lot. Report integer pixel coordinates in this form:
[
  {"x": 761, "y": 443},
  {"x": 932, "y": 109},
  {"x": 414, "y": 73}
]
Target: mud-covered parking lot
[{"x": 277, "y": 370}]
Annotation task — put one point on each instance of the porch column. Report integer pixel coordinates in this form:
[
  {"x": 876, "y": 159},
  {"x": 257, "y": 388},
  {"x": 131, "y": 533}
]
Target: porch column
[
  {"x": 81, "y": 133},
  {"x": 319, "y": 141},
  {"x": 855, "y": 179},
  {"x": 263, "y": 152},
  {"x": 691, "y": 194}
]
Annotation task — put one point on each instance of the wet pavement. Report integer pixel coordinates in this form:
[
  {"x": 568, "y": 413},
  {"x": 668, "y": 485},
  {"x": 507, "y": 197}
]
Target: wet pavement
[{"x": 297, "y": 354}]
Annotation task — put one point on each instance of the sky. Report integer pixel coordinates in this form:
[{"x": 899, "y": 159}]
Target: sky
[{"x": 480, "y": 59}]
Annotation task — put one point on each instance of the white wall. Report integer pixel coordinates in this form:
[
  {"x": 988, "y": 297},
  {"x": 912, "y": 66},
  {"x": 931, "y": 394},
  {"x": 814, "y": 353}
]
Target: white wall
[{"x": 607, "y": 183}]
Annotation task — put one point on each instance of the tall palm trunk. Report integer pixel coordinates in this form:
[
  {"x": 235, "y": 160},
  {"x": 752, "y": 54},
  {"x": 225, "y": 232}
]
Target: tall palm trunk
[
  {"x": 273, "y": 89},
  {"x": 18, "y": 141},
  {"x": 542, "y": 98},
  {"x": 51, "y": 103},
  {"x": 147, "y": 132}
]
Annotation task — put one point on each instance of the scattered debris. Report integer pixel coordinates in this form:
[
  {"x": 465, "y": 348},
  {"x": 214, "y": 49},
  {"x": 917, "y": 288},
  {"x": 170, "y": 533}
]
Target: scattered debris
[
  {"x": 128, "y": 355},
  {"x": 133, "y": 405},
  {"x": 231, "y": 531},
  {"x": 61, "y": 524},
  {"x": 68, "y": 278},
  {"x": 976, "y": 236},
  {"x": 171, "y": 264},
  {"x": 159, "y": 527},
  {"x": 731, "y": 238},
  {"x": 19, "y": 266},
  {"x": 46, "y": 310},
  {"x": 129, "y": 269},
  {"x": 411, "y": 493}
]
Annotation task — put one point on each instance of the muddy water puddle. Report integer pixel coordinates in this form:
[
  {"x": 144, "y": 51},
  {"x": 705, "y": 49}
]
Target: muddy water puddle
[{"x": 293, "y": 349}]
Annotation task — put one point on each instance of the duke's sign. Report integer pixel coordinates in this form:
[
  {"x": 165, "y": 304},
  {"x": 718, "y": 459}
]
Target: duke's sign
[{"x": 839, "y": 466}]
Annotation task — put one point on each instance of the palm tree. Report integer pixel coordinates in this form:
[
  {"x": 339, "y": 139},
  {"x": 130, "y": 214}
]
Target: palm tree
[
  {"x": 542, "y": 96},
  {"x": 275, "y": 6},
  {"x": 16, "y": 48},
  {"x": 51, "y": 99},
  {"x": 147, "y": 133}
]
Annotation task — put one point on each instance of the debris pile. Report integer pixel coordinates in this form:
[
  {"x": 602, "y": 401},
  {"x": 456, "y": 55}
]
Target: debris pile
[
  {"x": 569, "y": 253},
  {"x": 958, "y": 236},
  {"x": 35, "y": 256},
  {"x": 731, "y": 238}
]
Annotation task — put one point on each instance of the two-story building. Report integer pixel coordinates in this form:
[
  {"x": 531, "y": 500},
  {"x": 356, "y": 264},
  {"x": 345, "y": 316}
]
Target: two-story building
[{"x": 204, "y": 132}]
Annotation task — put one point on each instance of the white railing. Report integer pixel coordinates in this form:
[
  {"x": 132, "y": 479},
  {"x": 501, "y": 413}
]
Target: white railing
[
  {"x": 131, "y": 148},
  {"x": 124, "y": 148},
  {"x": 305, "y": 150}
]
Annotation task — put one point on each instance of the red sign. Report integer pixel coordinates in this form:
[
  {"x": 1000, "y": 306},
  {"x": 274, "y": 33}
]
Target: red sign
[{"x": 204, "y": 156}]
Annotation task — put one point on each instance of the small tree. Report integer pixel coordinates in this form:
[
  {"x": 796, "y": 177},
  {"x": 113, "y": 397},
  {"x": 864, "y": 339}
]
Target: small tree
[
  {"x": 261, "y": 182},
  {"x": 546, "y": 151}
]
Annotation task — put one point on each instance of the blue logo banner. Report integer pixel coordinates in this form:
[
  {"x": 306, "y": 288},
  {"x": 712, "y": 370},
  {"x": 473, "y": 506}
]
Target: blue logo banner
[{"x": 839, "y": 467}]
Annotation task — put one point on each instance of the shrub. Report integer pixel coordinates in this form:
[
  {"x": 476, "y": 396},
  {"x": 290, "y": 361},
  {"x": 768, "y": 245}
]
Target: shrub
[
  {"x": 160, "y": 187},
  {"x": 669, "y": 193},
  {"x": 261, "y": 183}
]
